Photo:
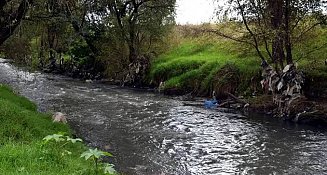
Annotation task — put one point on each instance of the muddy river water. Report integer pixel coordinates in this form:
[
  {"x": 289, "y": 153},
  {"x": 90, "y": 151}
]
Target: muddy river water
[{"x": 152, "y": 134}]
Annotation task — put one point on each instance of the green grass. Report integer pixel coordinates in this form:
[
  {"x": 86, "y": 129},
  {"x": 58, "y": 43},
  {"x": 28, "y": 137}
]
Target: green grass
[
  {"x": 196, "y": 61},
  {"x": 21, "y": 131},
  {"x": 312, "y": 53}
]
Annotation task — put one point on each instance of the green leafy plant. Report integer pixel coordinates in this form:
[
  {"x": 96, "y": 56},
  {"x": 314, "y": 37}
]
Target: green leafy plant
[
  {"x": 54, "y": 137},
  {"x": 73, "y": 140},
  {"x": 96, "y": 155},
  {"x": 92, "y": 154},
  {"x": 109, "y": 168},
  {"x": 60, "y": 137}
]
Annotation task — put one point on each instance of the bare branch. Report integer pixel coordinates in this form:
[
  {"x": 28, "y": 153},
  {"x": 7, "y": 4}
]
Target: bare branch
[
  {"x": 224, "y": 35},
  {"x": 256, "y": 44}
]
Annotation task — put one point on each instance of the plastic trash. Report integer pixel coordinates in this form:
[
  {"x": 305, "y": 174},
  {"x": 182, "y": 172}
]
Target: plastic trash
[{"x": 211, "y": 104}]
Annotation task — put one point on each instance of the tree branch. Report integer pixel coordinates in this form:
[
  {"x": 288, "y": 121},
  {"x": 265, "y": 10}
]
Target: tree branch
[
  {"x": 256, "y": 44},
  {"x": 8, "y": 28}
]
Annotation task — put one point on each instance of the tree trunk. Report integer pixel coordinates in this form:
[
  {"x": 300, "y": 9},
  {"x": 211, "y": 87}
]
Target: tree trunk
[
  {"x": 285, "y": 85},
  {"x": 276, "y": 11},
  {"x": 288, "y": 45},
  {"x": 51, "y": 42},
  {"x": 132, "y": 54},
  {"x": 8, "y": 25},
  {"x": 41, "y": 51}
]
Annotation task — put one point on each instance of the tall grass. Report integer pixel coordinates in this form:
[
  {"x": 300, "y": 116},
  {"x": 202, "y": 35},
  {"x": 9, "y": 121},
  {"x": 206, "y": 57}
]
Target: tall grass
[{"x": 193, "y": 64}]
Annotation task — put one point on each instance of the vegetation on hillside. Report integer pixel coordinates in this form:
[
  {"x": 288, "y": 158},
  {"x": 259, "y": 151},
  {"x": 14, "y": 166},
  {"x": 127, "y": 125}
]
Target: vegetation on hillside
[
  {"x": 198, "y": 58},
  {"x": 192, "y": 65}
]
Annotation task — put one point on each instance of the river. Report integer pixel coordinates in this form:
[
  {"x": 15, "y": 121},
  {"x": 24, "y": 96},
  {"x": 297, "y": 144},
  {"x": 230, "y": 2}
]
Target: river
[{"x": 153, "y": 134}]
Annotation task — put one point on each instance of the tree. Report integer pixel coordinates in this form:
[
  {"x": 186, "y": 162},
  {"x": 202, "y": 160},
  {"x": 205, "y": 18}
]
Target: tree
[
  {"x": 272, "y": 28},
  {"x": 99, "y": 36},
  {"x": 61, "y": 30},
  {"x": 109, "y": 26},
  {"x": 11, "y": 14},
  {"x": 137, "y": 18}
]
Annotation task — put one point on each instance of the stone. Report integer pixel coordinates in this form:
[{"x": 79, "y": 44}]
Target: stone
[{"x": 59, "y": 118}]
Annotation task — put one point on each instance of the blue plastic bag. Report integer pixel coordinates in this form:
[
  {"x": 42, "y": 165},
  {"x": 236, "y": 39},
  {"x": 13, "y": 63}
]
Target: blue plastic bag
[{"x": 211, "y": 104}]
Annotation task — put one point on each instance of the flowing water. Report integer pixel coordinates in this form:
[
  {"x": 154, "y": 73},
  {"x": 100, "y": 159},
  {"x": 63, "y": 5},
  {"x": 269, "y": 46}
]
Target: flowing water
[{"x": 152, "y": 134}]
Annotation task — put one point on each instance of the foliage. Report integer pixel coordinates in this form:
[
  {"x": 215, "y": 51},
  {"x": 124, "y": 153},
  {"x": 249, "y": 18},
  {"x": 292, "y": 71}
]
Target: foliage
[
  {"x": 90, "y": 39},
  {"x": 55, "y": 137},
  {"x": 60, "y": 137},
  {"x": 140, "y": 23},
  {"x": 96, "y": 155},
  {"x": 274, "y": 27},
  {"x": 109, "y": 169},
  {"x": 11, "y": 14},
  {"x": 22, "y": 52},
  {"x": 91, "y": 154}
]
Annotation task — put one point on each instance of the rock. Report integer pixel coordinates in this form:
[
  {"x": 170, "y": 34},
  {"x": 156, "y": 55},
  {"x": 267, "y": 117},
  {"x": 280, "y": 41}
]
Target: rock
[
  {"x": 2, "y": 60},
  {"x": 107, "y": 147},
  {"x": 314, "y": 117},
  {"x": 88, "y": 81},
  {"x": 59, "y": 117}
]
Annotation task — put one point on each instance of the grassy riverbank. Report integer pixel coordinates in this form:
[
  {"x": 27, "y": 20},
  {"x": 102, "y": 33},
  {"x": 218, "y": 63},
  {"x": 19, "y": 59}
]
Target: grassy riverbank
[
  {"x": 202, "y": 62},
  {"x": 22, "y": 129}
]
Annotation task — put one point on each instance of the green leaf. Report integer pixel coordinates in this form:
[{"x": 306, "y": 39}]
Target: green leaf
[
  {"x": 109, "y": 168},
  {"x": 86, "y": 155},
  {"x": 73, "y": 140},
  {"x": 55, "y": 137},
  {"x": 107, "y": 154},
  {"x": 95, "y": 153}
]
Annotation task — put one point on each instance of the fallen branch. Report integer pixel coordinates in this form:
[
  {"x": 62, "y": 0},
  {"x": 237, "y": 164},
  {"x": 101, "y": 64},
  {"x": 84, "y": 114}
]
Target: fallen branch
[
  {"x": 236, "y": 98},
  {"x": 227, "y": 103}
]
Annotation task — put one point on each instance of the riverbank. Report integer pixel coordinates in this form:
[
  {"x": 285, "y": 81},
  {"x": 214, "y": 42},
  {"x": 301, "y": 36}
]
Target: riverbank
[
  {"x": 151, "y": 134},
  {"x": 201, "y": 63},
  {"x": 22, "y": 129}
]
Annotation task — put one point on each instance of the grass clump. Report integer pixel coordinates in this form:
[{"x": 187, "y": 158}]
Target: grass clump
[
  {"x": 22, "y": 129},
  {"x": 192, "y": 66}
]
